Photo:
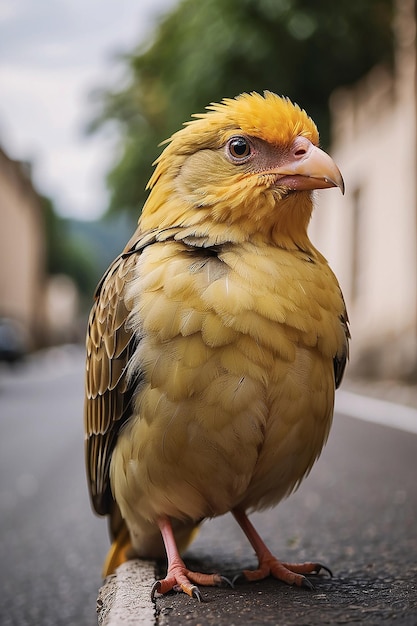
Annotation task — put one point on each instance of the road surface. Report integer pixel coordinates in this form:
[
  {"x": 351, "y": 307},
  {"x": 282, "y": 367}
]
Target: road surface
[
  {"x": 51, "y": 544},
  {"x": 356, "y": 512}
]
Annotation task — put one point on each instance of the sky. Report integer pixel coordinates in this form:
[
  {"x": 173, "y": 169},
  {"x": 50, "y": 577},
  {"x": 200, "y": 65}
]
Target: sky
[{"x": 53, "y": 54}]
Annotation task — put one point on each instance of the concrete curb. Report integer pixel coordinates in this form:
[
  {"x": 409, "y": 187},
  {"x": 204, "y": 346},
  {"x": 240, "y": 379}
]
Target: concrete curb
[{"x": 125, "y": 597}]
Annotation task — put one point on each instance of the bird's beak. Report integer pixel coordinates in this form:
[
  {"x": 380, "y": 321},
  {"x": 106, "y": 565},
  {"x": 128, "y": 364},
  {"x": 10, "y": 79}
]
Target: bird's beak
[{"x": 307, "y": 167}]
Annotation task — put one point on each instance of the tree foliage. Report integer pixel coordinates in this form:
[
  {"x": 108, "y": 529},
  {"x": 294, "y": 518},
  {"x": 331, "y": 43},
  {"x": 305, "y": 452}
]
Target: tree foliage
[
  {"x": 67, "y": 254},
  {"x": 205, "y": 51}
]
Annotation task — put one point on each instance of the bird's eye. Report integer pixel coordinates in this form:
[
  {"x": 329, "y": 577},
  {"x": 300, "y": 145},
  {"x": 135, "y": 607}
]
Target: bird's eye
[{"x": 239, "y": 148}]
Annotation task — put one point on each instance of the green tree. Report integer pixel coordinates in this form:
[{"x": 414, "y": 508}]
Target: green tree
[
  {"x": 205, "y": 51},
  {"x": 68, "y": 254}
]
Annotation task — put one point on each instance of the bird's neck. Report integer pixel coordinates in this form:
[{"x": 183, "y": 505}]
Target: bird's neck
[
  {"x": 278, "y": 222},
  {"x": 291, "y": 220}
]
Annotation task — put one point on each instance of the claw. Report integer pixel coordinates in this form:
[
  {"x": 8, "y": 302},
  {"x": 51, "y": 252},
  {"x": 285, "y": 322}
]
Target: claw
[
  {"x": 320, "y": 566},
  {"x": 307, "y": 584},
  {"x": 195, "y": 593},
  {"x": 155, "y": 589},
  {"x": 238, "y": 579},
  {"x": 225, "y": 582}
]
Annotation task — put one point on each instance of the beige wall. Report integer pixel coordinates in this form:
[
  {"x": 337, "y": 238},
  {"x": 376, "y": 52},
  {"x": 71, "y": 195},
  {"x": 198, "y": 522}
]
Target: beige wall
[
  {"x": 370, "y": 235},
  {"x": 22, "y": 250}
]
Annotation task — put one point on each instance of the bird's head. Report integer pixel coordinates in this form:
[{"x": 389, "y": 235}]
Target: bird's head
[{"x": 246, "y": 166}]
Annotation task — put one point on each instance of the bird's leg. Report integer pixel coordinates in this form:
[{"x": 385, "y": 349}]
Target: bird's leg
[
  {"x": 178, "y": 576},
  {"x": 269, "y": 565}
]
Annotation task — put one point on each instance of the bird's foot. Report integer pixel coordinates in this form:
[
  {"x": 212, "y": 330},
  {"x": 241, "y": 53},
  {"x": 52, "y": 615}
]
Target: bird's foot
[
  {"x": 290, "y": 573},
  {"x": 179, "y": 578}
]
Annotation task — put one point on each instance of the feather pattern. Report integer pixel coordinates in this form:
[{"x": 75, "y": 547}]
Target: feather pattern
[{"x": 217, "y": 337}]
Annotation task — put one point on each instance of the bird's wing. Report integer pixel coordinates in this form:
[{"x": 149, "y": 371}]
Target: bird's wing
[
  {"x": 339, "y": 361},
  {"x": 110, "y": 344},
  {"x": 108, "y": 396}
]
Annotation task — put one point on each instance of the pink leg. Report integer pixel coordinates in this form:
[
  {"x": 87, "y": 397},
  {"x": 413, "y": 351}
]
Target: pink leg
[
  {"x": 269, "y": 565},
  {"x": 178, "y": 576}
]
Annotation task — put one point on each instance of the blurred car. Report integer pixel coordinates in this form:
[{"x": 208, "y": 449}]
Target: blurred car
[{"x": 12, "y": 341}]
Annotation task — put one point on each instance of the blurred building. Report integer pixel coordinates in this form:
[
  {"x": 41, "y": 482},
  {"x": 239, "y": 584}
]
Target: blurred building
[
  {"x": 370, "y": 235},
  {"x": 36, "y": 309},
  {"x": 22, "y": 252}
]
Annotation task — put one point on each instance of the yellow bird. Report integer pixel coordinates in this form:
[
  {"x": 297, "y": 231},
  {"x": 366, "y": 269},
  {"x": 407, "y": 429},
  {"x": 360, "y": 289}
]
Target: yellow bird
[{"x": 216, "y": 340}]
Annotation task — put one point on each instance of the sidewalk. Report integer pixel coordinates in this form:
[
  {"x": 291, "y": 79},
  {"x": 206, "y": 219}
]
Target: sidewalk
[
  {"x": 125, "y": 597},
  {"x": 389, "y": 390}
]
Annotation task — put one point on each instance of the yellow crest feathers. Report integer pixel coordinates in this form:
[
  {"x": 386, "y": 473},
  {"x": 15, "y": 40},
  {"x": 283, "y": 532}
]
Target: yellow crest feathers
[{"x": 270, "y": 117}]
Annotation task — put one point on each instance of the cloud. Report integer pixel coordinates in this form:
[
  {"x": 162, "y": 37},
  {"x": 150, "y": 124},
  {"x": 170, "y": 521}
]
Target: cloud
[
  {"x": 53, "y": 54},
  {"x": 42, "y": 114}
]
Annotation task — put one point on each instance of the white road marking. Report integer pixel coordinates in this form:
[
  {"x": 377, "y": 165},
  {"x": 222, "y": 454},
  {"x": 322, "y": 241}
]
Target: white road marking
[{"x": 377, "y": 411}]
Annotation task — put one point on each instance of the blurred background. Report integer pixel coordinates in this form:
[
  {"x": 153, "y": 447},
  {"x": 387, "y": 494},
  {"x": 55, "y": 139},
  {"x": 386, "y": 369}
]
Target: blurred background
[{"x": 87, "y": 92}]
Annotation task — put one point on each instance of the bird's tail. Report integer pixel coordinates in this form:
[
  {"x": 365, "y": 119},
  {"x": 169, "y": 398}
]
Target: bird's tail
[
  {"x": 121, "y": 542},
  {"x": 119, "y": 551}
]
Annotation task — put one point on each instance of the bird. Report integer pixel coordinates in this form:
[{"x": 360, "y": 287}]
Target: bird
[{"x": 216, "y": 341}]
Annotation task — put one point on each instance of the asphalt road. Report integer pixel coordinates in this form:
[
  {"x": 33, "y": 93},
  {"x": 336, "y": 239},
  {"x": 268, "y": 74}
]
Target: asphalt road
[
  {"x": 51, "y": 545},
  {"x": 356, "y": 512}
]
